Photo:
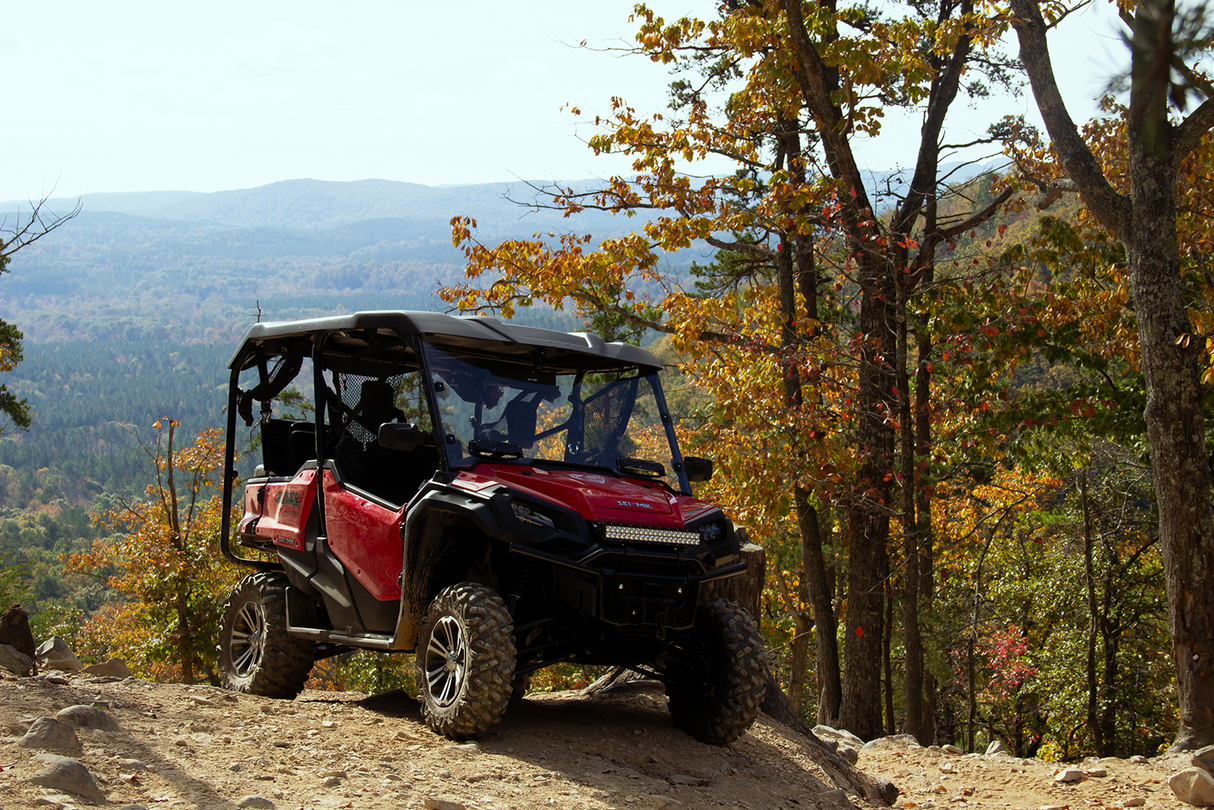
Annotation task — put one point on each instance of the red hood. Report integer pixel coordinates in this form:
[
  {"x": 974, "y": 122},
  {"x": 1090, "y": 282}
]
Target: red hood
[{"x": 595, "y": 496}]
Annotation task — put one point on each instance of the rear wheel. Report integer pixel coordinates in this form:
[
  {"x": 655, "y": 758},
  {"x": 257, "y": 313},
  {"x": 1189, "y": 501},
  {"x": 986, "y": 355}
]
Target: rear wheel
[
  {"x": 716, "y": 694},
  {"x": 465, "y": 661},
  {"x": 256, "y": 655}
]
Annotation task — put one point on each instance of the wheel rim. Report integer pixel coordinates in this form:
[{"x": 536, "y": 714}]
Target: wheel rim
[
  {"x": 248, "y": 637},
  {"x": 446, "y": 660}
]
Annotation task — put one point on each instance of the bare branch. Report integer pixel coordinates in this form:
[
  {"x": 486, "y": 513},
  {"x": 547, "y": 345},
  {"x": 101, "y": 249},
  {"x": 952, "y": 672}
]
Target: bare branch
[
  {"x": 1109, "y": 206},
  {"x": 40, "y": 222},
  {"x": 1193, "y": 129}
]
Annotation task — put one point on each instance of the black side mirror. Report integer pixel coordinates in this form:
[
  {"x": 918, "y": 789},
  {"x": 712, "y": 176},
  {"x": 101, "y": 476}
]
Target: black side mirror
[
  {"x": 698, "y": 469},
  {"x": 397, "y": 436}
]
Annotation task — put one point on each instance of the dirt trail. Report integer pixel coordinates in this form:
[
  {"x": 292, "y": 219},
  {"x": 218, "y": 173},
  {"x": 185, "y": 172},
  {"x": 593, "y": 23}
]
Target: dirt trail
[{"x": 198, "y": 747}]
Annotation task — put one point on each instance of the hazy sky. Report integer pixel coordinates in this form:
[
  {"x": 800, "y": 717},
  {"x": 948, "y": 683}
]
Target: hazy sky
[{"x": 144, "y": 96}]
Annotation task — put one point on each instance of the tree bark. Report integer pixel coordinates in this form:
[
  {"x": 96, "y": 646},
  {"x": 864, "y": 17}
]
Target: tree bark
[
  {"x": 746, "y": 589},
  {"x": 841, "y": 772},
  {"x": 826, "y": 648},
  {"x": 1093, "y": 620},
  {"x": 1146, "y": 224},
  {"x": 923, "y": 473},
  {"x": 912, "y": 643}
]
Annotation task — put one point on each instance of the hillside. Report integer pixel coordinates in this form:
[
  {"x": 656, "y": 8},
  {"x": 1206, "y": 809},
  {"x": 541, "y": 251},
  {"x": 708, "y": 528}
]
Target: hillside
[
  {"x": 196, "y": 267},
  {"x": 200, "y": 747}
]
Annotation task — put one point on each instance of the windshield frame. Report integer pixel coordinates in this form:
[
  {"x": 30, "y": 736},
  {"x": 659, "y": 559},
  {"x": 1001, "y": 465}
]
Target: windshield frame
[{"x": 471, "y": 390}]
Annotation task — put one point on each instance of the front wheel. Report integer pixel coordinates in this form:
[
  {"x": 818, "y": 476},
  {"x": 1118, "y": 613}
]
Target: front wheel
[
  {"x": 256, "y": 654},
  {"x": 465, "y": 661},
  {"x": 716, "y": 694}
]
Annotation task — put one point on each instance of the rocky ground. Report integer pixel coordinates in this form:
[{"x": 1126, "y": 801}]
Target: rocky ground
[{"x": 175, "y": 746}]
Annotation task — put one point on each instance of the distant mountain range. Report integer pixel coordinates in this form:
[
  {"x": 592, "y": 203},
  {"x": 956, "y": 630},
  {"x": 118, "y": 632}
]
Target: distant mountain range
[
  {"x": 320, "y": 205},
  {"x": 153, "y": 265}
]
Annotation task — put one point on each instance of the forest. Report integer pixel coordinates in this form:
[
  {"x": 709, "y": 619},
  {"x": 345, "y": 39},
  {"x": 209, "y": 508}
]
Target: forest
[{"x": 966, "y": 416}]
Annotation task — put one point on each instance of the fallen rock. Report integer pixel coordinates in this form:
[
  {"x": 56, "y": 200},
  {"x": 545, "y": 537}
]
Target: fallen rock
[
  {"x": 66, "y": 774},
  {"x": 1096, "y": 773},
  {"x": 895, "y": 741},
  {"x": 1138, "y": 759},
  {"x": 996, "y": 747},
  {"x": 1069, "y": 775},
  {"x": 678, "y": 779},
  {"x": 1137, "y": 801},
  {"x": 48, "y": 733},
  {"x": 848, "y": 753},
  {"x": 443, "y": 804},
  {"x": 113, "y": 668},
  {"x": 16, "y": 661},
  {"x": 1204, "y": 758},
  {"x": 1193, "y": 786},
  {"x": 947, "y": 767},
  {"x": 55, "y": 654},
  {"x": 82, "y": 716},
  {"x": 954, "y": 750},
  {"x": 256, "y": 802},
  {"x": 841, "y": 735}
]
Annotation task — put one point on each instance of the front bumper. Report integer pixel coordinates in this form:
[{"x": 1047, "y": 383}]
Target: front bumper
[{"x": 640, "y": 598}]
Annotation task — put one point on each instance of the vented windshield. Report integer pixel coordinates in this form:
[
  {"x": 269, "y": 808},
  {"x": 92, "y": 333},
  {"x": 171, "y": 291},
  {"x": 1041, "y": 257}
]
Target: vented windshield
[{"x": 495, "y": 410}]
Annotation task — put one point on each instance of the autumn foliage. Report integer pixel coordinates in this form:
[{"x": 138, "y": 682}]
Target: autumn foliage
[{"x": 162, "y": 553}]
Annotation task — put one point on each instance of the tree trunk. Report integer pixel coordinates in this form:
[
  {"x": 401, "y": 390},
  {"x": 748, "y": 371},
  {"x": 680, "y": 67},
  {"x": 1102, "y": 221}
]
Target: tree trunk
[
  {"x": 868, "y": 510},
  {"x": 1176, "y": 428},
  {"x": 15, "y": 631},
  {"x": 844, "y": 775},
  {"x": 922, "y": 481},
  {"x": 891, "y": 722},
  {"x": 911, "y": 642},
  {"x": 830, "y": 689},
  {"x": 1093, "y": 620},
  {"x": 1146, "y": 224},
  {"x": 746, "y": 589},
  {"x": 802, "y": 625}
]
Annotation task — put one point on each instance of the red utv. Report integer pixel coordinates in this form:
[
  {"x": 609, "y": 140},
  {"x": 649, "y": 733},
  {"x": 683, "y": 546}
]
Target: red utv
[{"x": 496, "y": 498}]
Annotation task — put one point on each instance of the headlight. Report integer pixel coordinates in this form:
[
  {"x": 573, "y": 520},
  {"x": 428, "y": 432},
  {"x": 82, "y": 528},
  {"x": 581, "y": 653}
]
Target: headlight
[
  {"x": 711, "y": 533},
  {"x": 530, "y": 515}
]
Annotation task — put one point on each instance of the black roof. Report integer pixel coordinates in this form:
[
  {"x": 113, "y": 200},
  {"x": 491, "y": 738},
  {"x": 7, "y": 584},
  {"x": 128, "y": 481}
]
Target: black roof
[{"x": 490, "y": 334}]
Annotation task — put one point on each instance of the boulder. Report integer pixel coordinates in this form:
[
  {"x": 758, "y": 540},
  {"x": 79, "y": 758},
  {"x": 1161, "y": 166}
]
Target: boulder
[
  {"x": 840, "y": 735},
  {"x": 892, "y": 742},
  {"x": 66, "y": 774},
  {"x": 995, "y": 747},
  {"x": 82, "y": 716},
  {"x": 15, "y": 630},
  {"x": 16, "y": 661},
  {"x": 113, "y": 668},
  {"x": 1193, "y": 786},
  {"x": 1204, "y": 758},
  {"x": 55, "y": 654},
  {"x": 49, "y": 733}
]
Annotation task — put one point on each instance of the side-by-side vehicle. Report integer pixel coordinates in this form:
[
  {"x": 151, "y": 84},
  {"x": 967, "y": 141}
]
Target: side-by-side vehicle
[{"x": 495, "y": 498}]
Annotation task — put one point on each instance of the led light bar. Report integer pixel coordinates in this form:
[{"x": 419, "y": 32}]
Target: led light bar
[{"x": 640, "y": 534}]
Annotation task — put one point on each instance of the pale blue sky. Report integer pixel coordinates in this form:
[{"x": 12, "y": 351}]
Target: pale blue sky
[{"x": 146, "y": 96}]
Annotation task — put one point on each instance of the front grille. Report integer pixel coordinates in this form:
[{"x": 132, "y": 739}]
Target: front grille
[{"x": 640, "y": 534}]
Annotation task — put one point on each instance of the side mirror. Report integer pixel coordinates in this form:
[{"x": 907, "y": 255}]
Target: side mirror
[
  {"x": 397, "y": 436},
  {"x": 698, "y": 469}
]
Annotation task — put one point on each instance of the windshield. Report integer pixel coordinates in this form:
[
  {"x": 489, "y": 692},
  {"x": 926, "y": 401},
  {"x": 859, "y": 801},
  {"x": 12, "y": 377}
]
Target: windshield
[{"x": 492, "y": 409}]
